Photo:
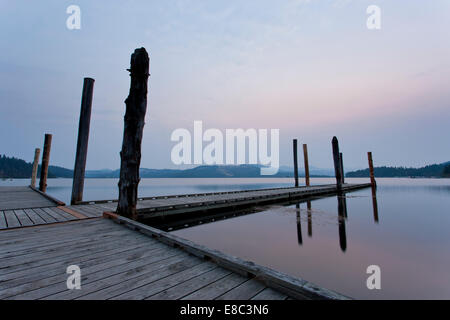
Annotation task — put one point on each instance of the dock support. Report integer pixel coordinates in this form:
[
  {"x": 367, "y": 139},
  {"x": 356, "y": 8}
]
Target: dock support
[
  {"x": 341, "y": 165},
  {"x": 83, "y": 139},
  {"x": 136, "y": 107},
  {"x": 37, "y": 152},
  {"x": 337, "y": 165},
  {"x": 45, "y": 162},
  {"x": 305, "y": 157},
  {"x": 295, "y": 163},
  {"x": 371, "y": 170}
]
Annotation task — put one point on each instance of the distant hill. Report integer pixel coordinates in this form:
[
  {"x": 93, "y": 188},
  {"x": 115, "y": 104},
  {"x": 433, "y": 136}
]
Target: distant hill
[
  {"x": 215, "y": 171},
  {"x": 17, "y": 168},
  {"x": 434, "y": 170},
  {"x": 11, "y": 167}
]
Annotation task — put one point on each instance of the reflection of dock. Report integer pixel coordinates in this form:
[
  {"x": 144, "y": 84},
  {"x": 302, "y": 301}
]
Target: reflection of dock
[{"x": 41, "y": 237}]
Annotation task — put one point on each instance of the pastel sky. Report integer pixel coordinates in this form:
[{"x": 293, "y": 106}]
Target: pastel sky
[{"x": 310, "y": 68}]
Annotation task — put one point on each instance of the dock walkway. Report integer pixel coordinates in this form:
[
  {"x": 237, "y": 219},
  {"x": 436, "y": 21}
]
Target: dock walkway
[{"x": 41, "y": 237}]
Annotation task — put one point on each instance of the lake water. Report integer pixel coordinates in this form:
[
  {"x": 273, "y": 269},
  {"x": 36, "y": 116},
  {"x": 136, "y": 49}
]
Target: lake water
[{"x": 329, "y": 241}]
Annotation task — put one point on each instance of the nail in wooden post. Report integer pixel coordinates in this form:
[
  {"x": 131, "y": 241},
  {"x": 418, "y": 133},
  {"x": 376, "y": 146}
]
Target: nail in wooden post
[
  {"x": 83, "y": 139},
  {"x": 337, "y": 165},
  {"x": 45, "y": 162},
  {"x": 371, "y": 170},
  {"x": 305, "y": 157},
  {"x": 295, "y": 163},
  {"x": 341, "y": 165},
  {"x": 136, "y": 107},
  {"x": 37, "y": 152}
]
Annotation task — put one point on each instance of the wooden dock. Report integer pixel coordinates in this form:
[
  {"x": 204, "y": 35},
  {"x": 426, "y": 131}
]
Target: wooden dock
[
  {"x": 41, "y": 237},
  {"x": 177, "y": 206}
]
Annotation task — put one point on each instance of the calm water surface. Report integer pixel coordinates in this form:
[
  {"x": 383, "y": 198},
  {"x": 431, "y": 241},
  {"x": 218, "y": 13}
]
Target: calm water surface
[{"x": 329, "y": 241}]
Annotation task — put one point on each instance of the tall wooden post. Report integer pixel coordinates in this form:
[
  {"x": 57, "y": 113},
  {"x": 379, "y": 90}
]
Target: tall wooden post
[
  {"x": 337, "y": 165},
  {"x": 341, "y": 165},
  {"x": 45, "y": 162},
  {"x": 136, "y": 107},
  {"x": 37, "y": 152},
  {"x": 295, "y": 163},
  {"x": 371, "y": 170},
  {"x": 83, "y": 139},
  {"x": 305, "y": 157}
]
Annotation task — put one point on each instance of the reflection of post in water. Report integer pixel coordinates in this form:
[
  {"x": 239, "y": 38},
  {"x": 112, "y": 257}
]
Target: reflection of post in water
[
  {"x": 299, "y": 225},
  {"x": 342, "y": 209},
  {"x": 308, "y": 204},
  {"x": 375, "y": 204}
]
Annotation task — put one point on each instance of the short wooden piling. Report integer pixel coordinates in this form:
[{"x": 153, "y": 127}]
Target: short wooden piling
[
  {"x": 337, "y": 165},
  {"x": 305, "y": 157},
  {"x": 83, "y": 139},
  {"x": 136, "y": 107},
  {"x": 295, "y": 163},
  {"x": 341, "y": 164},
  {"x": 37, "y": 152},
  {"x": 371, "y": 170},
  {"x": 45, "y": 162}
]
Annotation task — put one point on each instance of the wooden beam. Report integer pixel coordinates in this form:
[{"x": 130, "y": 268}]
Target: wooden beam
[
  {"x": 305, "y": 157},
  {"x": 45, "y": 162},
  {"x": 37, "y": 152},
  {"x": 136, "y": 107},
  {"x": 83, "y": 139},
  {"x": 295, "y": 163},
  {"x": 337, "y": 166}
]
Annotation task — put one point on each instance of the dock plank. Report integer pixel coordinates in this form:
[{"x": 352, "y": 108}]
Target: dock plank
[
  {"x": 245, "y": 291},
  {"x": 187, "y": 287},
  {"x": 3, "y": 224},
  {"x": 34, "y": 216},
  {"x": 23, "y": 218},
  {"x": 22, "y": 198},
  {"x": 217, "y": 288},
  {"x": 11, "y": 219}
]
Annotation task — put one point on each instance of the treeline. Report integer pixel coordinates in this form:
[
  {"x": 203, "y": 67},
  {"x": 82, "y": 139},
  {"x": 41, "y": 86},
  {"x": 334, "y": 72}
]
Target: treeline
[
  {"x": 434, "y": 170},
  {"x": 11, "y": 167}
]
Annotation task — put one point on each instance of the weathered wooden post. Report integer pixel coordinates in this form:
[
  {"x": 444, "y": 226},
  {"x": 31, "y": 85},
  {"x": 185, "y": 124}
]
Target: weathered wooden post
[
  {"x": 83, "y": 139},
  {"x": 37, "y": 152},
  {"x": 341, "y": 165},
  {"x": 337, "y": 165},
  {"x": 136, "y": 107},
  {"x": 305, "y": 157},
  {"x": 295, "y": 163},
  {"x": 45, "y": 162},
  {"x": 371, "y": 170}
]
